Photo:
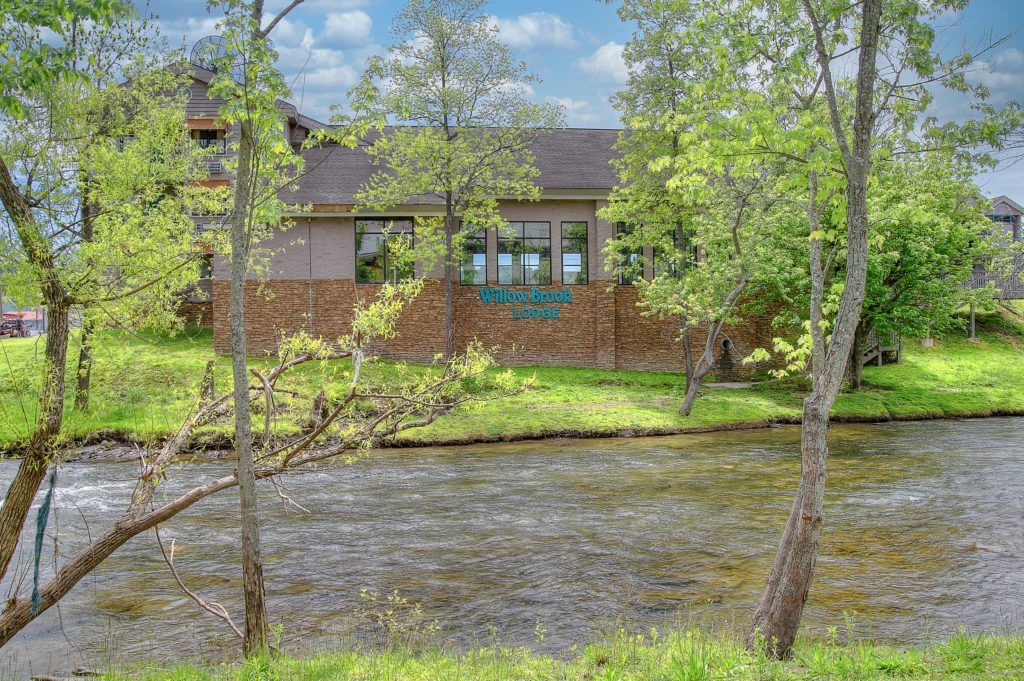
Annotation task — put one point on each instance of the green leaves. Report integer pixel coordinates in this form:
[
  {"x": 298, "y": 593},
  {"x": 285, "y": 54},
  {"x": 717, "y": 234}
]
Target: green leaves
[
  {"x": 96, "y": 154},
  {"x": 251, "y": 86},
  {"x": 464, "y": 123},
  {"x": 26, "y": 66}
]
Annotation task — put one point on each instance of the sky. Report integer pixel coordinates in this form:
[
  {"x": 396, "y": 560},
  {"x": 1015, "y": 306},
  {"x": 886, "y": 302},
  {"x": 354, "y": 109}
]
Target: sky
[{"x": 575, "y": 47}]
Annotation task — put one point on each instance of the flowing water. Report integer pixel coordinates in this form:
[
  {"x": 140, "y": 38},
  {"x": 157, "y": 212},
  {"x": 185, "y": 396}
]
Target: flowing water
[{"x": 924, "y": 532}]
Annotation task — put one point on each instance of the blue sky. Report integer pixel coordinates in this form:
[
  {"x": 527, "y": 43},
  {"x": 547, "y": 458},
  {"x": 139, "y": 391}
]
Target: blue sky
[{"x": 573, "y": 45}]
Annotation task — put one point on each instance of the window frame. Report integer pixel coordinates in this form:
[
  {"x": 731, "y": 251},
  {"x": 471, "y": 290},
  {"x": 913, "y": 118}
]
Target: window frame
[
  {"x": 585, "y": 253},
  {"x": 522, "y": 241},
  {"x": 382, "y": 253},
  {"x": 218, "y": 143},
  {"x": 487, "y": 267},
  {"x": 1012, "y": 220},
  {"x": 682, "y": 241},
  {"x": 622, "y": 227}
]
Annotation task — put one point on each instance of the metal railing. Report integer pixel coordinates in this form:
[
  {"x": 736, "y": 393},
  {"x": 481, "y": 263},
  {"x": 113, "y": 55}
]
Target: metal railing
[{"x": 218, "y": 146}]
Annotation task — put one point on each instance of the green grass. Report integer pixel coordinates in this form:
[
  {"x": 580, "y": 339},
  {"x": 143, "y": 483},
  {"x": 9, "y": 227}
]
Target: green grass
[
  {"x": 683, "y": 656},
  {"x": 144, "y": 384}
]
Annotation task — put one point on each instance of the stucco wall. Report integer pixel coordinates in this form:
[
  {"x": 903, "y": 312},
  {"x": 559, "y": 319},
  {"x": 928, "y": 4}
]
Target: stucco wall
[{"x": 317, "y": 247}]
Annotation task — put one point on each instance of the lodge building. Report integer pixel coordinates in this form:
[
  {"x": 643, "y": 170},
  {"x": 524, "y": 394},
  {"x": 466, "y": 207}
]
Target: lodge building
[{"x": 539, "y": 293}]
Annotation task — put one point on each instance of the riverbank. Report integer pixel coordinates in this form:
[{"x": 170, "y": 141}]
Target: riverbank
[
  {"x": 144, "y": 385},
  {"x": 690, "y": 656}
]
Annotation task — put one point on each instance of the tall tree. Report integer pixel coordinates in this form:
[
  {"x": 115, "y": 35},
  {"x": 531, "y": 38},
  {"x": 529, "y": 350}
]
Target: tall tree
[
  {"x": 706, "y": 211},
  {"x": 871, "y": 114},
  {"x": 264, "y": 162},
  {"x": 928, "y": 229},
  {"x": 140, "y": 253},
  {"x": 464, "y": 127},
  {"x": 790, "y": 91}
]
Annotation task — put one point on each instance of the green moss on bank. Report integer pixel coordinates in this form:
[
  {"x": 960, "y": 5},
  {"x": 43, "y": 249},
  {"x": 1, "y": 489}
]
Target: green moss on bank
[
  {"x": 144, "y": 384},
  {"x": 688, "y": 656}
]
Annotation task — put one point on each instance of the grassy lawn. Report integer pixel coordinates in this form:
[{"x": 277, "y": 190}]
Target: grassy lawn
[
  {"x": 689, "y": 656},
  {"x": 145, "y": 383}
]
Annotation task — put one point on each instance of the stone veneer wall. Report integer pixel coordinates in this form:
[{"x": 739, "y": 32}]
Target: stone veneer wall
[{"x": 601, "y": 328}]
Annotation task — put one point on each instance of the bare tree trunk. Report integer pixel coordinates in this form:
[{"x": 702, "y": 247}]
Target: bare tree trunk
[
  {"x": 83, "y": 375},
  {"x": 687, "y": 359},
  {"x": 856, "y": 368},
  {"x": 817, "y": 282},
  {"x": 778, "y": 614},
  {"x": 449, "y": 278},
  {"x": 255, "y": 641},
  {"x": 700, "y": 370},
  {"x": 32, "y": 467},
  {"x": 50, "y": 414}
]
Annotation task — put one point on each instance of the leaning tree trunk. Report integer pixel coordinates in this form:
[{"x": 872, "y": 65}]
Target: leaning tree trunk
[
  {"x": 778, "y": 614},
  {"x": 50, "y": 413},
  {"x": 32, "y": 467},
  {"x": 707, "y": 358},
  {"x": 255, "y": 640},
  {"x": 695, "y": 379},
  {"x": 19, "y": 611},
  {"x": 816, "y": 316}
]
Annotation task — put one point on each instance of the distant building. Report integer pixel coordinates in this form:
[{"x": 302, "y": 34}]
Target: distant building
[
  {"x": 1008, "y": 214},
  {"x": 543, "y": 291}
]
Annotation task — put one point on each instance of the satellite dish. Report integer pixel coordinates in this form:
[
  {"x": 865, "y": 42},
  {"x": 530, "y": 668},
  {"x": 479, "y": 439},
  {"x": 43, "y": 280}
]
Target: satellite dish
[{"x": 207, "y": 52}]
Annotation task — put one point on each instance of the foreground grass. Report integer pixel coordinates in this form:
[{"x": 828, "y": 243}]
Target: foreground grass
[
  {"x": 687, "y": 656},
  {"x": 145, "y": 384}
]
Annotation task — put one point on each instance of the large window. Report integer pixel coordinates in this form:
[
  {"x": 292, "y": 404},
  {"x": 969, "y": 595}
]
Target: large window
[
  {"x": 376, "y": 242},
  {"x": 524, "y": 253},
  {"x": 574, "y": 253},
  {"x": 629, "y": 269},
  {"x": 473, "y": 271}
]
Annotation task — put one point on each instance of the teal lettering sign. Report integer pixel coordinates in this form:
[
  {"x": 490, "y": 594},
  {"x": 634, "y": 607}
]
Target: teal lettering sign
[{"x": 532, "y": 304}]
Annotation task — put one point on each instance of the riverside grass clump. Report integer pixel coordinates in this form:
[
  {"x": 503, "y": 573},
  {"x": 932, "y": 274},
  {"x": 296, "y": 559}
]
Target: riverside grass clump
[
  {"x": 145, "y": 383},
  {"x": 689, "y": 655}
]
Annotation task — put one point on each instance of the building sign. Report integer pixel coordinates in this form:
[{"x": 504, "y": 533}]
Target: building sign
[{"x": 533, "y": 304}]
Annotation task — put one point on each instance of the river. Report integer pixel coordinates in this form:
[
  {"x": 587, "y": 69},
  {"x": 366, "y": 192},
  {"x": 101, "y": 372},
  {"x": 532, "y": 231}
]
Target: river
[{"x": 924, "y": 532}]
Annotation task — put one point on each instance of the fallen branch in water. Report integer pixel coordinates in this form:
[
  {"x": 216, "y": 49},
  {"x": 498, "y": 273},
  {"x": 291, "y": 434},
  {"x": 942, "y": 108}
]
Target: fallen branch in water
[{"x": 361, "y": 420}]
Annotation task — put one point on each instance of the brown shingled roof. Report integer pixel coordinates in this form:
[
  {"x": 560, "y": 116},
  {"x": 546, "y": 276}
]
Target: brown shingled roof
[{"x": 568, "y": 158}]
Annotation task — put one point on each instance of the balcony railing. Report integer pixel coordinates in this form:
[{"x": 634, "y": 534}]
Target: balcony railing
[
  {"x": 1010, "y": 283},
  {"x": 218, "y": 145}
]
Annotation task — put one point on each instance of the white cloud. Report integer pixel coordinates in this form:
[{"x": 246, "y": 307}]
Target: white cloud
[
  {"x": 605, "y": 64},
  {"x": 343, "y": 75},
  {"x": 312, "y": 62},
  {"x": 187, "y": 32},
  {"x": 347, "y": 29},
  {"x": 1003, "y": 75},
  {"x": 535, "y": 29},
  {"x": 576, "y": 110},
  {"x": 275, "y": 6}
]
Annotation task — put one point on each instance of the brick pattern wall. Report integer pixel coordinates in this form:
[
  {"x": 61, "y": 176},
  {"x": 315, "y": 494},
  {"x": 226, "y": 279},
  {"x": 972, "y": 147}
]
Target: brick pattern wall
[
  {"x": 197, "y": 312},
  {"x": 602, "y": 327}
]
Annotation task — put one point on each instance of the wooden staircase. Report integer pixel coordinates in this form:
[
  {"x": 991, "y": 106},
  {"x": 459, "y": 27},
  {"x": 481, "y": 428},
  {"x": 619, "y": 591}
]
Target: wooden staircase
[{"x": 881, "y": 351}]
